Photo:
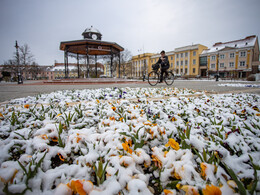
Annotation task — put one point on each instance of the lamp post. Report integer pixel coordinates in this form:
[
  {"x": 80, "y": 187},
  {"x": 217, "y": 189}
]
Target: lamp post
[
  {"x": 144, "y": 69},
  {"x": 20, "y": 80},
  {"x": 217, "y": 61}
]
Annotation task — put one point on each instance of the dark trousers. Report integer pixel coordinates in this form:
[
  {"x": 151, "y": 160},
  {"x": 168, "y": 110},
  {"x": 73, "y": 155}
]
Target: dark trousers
[{"x": 163, "y": 72}]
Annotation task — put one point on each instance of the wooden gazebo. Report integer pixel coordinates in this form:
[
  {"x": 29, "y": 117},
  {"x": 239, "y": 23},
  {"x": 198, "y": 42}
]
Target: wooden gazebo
[{"x": 91, "y": 45}]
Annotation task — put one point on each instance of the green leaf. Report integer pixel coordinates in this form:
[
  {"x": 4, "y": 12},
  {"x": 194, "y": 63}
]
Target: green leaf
[
  {"x": 40, "y": 161},
  {"x": 219, "y": 134},
  {"x": 139, "y": 145},
  {"x": 104, "y": 173},
  {"x": 136, "y": 136},
  {"x": 204, "y": 155},
  {"x": 210, "y": 160},
  {"x": 220, "y": 123},
  {"x": 197, "y": 153},
  {"x": 100, "y": 168},
  {"x": 22, "y": 167},
  {"x": 125, "y": 134},
  {"x": 254, "y": 184},
  {"x": 240, "y": 185},
  {"x": 188, "y": 132},
  {"x": 20, "y": 135},
  {"x": 172, "y": 185}
]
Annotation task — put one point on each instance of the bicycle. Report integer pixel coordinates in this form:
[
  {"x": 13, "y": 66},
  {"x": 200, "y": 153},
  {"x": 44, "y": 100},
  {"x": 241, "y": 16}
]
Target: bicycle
[{"x": 154, "y": 77}]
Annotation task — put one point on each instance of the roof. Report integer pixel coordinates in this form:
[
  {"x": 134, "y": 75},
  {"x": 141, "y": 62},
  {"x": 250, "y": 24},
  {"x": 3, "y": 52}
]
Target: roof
[
  {"x": 61, "y": 68},
  {"x": 143, "y": 55},
  {"x": 185, "y": 48},
  {"x": 95, "y": 47},
  {"x": 237, "y": 44},
  {"x": 91, "y": 29}
]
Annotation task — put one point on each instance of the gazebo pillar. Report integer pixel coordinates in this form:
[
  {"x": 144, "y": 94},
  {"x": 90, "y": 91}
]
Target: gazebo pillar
[
  {"x": 87, "y": 62},
  {"x": 66, "y": 63},
  {"x": 119, "y": 64},
  {"x": 96, "y": 65},
  {"x": 78, "y": 64},
  {"x": 111, "y": 65}
]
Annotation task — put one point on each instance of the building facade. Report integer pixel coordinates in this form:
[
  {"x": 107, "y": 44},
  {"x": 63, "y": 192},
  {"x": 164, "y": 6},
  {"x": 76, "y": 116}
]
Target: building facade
[
  {"x": 184, "y": 61},
  {"x": 28, "y": 72},
  {"x": 187, "y": 60},
  {"x": 233, "y": 59},
  {"x": 84, "y": 71},
  {"x": 141, "y": 64}
]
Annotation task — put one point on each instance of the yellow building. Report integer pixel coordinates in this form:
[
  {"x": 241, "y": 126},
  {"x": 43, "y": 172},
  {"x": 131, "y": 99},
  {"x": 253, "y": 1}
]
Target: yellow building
[
  {"x": 187, "y": 60},
  {"x": 141, "y": 64},
  {"x": 233, "y": 59},
  {"x": 107, "y": 71},
  {"x": 59, "y": 71},
  {"x": 184, "y": 61}
]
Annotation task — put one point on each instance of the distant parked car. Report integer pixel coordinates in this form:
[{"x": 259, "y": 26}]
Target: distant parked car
[{"x": 103, "y": 76}]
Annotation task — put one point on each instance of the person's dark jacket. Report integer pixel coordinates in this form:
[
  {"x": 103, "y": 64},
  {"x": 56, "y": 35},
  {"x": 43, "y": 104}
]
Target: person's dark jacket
[{"x": 164, "y": 63}]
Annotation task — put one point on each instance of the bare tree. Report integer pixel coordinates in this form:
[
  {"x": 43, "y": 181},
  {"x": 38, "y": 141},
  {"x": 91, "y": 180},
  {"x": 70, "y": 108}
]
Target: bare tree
[
  {"x": 125, "y": 58},
  {"x": 26, "y": 57}
]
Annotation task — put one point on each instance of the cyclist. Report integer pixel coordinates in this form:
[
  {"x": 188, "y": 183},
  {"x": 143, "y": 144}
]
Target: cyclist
[{"x": 164, "y": 62}]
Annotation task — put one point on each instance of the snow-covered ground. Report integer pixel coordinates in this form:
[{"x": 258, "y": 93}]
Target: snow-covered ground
[
  {"x": 129, "y": 141},
  {"x": 239, "y": 85}
]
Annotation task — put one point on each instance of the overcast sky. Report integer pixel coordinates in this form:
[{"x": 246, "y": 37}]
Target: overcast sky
[{"x": 149, "y": 25}]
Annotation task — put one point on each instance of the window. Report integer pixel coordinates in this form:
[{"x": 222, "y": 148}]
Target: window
[
  {"x": 222, "y": 56},
  {"x": 186, "y": 70},
  {"x": 194, "y": 70},
  {"x": 186, "y": 54},
  {"x": 242, "y": 54},
  {"x": 171, "y": 58},
  {"x": 181, "y": 70},
  {"x": 194, "y": 53},
  {"x": 171, "y": 64},
  {"x": 242, "y": 63},
  {"x": 177, "y": 63},
  {"x": 186, "y": 62},
  {"x": 213, "y": 57},
  {"x": 181, "y": 55},
  {"x": 203, "y": 61},
  {"x": 213, "y": 66},
  {"x": 231, "y": 55},
  {"x": 194, "y": 62},
  {"x": 177, "y": 55},
  {"x": 177, "y": 71},
  {"x": 181, "y": 62},
  {"x": 221, "y": 65},
  {"x": 231, "y": 64}
]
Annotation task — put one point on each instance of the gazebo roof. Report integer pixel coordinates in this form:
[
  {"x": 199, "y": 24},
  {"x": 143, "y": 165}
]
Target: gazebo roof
[
  {"x": 91, "y": 29},
  {"x": 91, "y": 47}
]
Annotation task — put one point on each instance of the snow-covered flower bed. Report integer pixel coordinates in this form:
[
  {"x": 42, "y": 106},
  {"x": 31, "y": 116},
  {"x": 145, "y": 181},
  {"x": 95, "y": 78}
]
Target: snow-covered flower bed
[
  {"x": 108, "y": 144},
  {"x": 102, "y": 94}
]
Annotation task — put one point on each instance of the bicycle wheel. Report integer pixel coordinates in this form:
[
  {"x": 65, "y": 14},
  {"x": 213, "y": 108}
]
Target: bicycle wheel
[
  {"x": 153, "y": 78},
  {"x": 169, "y": 78}
]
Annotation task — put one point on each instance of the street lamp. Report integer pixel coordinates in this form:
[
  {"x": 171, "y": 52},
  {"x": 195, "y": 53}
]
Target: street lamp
[
  {"x": 144, "y": 69},
  {"x": 20, "y": 80},
  {"x": 217, "y": 61}
]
